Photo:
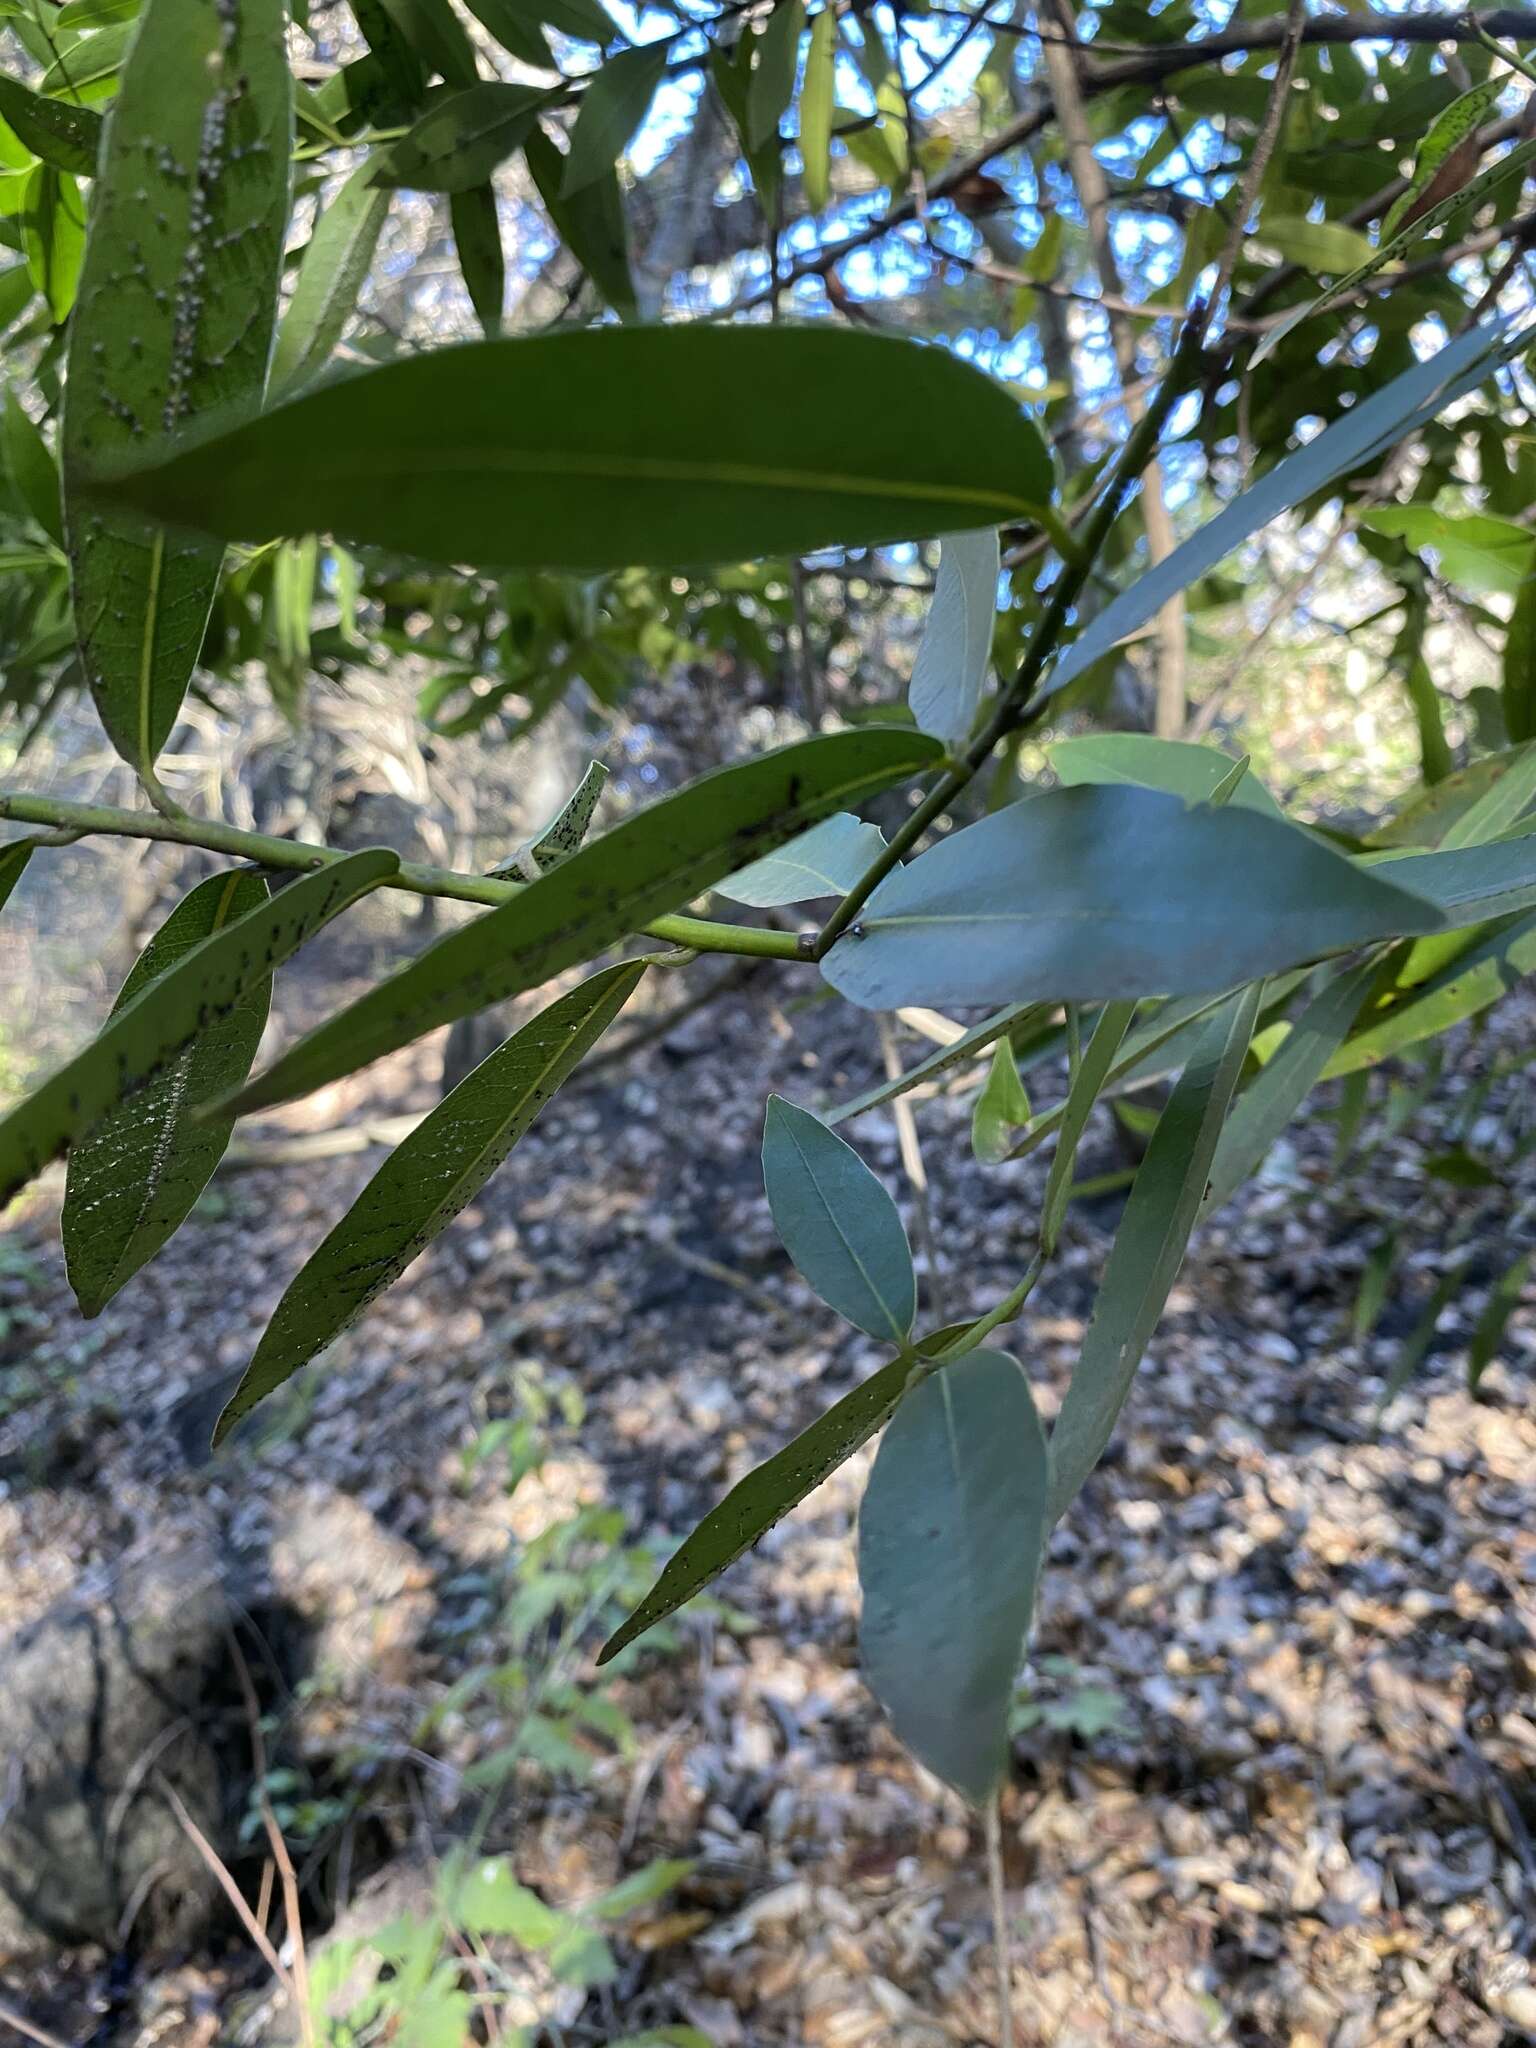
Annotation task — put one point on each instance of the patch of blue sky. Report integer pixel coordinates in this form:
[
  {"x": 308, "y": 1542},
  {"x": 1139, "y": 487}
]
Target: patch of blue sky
[{"x": 1149, "y": 246}]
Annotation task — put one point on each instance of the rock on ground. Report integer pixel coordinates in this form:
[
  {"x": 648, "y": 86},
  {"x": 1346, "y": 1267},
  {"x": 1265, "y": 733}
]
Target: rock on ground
[{"x": 101, "y": 1716}]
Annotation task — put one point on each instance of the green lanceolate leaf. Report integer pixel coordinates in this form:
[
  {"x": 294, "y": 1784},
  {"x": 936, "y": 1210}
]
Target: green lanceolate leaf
[
  {"x": 1391, "y": 247},
  {"x": 88, "y": 62},
  {"x": 533, "y": 452},
  {"x": 951, "y": 1535},
  {"x": 563, "y": 835},
  {"x": 332, "y": 271},
  {"x": 1468, "y": 984},
  {"x": 643, "y": 1887},
  {"x": 764, "y": 1497},
  {"x": 16, "y": 290},
  {"x": 1149, "y": 1246},
  {"x": 460, "y": 140},
  {"x": 731, "y": 70},
  {"x": 826, "y": 861},
  {"x": 202, "y": 988},
  {"x": 773, "y": 75},
  {"x": 175, "y": 314},
  {"x": 438, "y": 37},
  {"x": 590, "y": 222},
  {"x": 87, "y": 14},
  {"x": 838, "y": 1223},
  {"x": 63, "y": 135},
  {"x": 482, "y": 263},
  {"x": 427, "y": 1180},
  {"x": 612, "y": 108},
  {"x": 135, "y": 1175},
  {"x": 1431, "y": 813},
  {"x": 1230, "y": 783},
  {"x": 1474, "y": 876},
  {"x": 1002, "y": 1108},
  {"x": 1371, "y": 1298},
  {"x": 1097, "y": 894},
  {"x": 965, "y": 1047},
  {"x": 14, "y": 855},
  {"x": 1286, "y": 1079},
  {"x": 1092, "y": 1072},
  {"x": 1488, "y": 1333},
  {"x": 29, "y": 464},
  {"x": 586, "y": 19},
  {"x": 566, "y": 831},
  {"x": 1500, "y": 807},
  {"x": 1519, "y": 684},
  {"x": 53, "y": 237},
  {"x": 1428, "y": 715},
  {"x": 1470, "y": 884},
  {"x": 1157, "y": 1048},
  {"x": 656, "y": 860},
  {"x": 399, "y": 79},
  {"x": 1460, "y": 1169},
  {"x": 1461, "y": 119},
  {"x": 951, "y": 665},
  {"x": 1475, "y": 551},
  {"x": 517, "y": 29},
  {"x": 1324, "y": 246},
  {"x": 1354, "y": 1101},
  {"x": 816, "y": 96},
  {"x": 288, "y": 613},
  {"x": 1414, "y": 1349},
  {"x": 1178, "y": 766}
]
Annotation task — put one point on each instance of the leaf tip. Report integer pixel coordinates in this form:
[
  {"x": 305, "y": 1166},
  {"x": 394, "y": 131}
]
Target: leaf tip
[{"x": 231, "y": 1413}]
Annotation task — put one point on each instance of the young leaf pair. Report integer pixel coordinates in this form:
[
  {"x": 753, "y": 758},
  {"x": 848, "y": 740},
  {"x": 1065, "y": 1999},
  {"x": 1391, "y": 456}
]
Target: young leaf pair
[
  {"x": 842, "y": 1229},
  {"x": 953, "y": 1519}
]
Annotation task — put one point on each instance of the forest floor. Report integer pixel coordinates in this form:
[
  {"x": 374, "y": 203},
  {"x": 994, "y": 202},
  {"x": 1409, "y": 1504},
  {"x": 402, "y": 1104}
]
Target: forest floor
[{"x": 1278, "y": 1783}]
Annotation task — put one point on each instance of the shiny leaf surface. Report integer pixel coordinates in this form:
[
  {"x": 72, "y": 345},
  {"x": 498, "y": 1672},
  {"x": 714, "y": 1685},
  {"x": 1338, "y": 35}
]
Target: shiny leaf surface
[
  {"x": 1096, "y": 894},
  {"x": 533, "y": 453},
  {"x": 427, "y": 1180},
  {"x": 135, "y": 1175},
  {"x": 951, "y": 1535}
]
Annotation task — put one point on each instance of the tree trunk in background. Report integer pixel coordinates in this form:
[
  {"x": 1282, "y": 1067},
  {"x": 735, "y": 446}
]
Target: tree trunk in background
[
  {"x": 683, "y": 188},
  {"x": 1093, "y": 190},
  {"x": 1129, "y": 707}
]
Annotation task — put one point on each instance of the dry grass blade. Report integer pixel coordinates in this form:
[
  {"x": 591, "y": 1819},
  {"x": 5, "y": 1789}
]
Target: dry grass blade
[
  {"x": 9, "y": 2017},
  {"x": 1002, "y": 1943},
  {"x": 279, "y": 1848},
  {"x": 235, "y": 1896}
]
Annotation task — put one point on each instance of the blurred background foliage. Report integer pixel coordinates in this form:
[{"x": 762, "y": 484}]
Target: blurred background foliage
[{"x": 1040, "y": 192}]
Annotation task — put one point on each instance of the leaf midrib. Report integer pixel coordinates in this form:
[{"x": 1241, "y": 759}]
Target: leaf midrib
[
  {"x": 443, "y": 1210},
  {"x": 898, "y": 1332},
  {"x": 384, "y": 464}
]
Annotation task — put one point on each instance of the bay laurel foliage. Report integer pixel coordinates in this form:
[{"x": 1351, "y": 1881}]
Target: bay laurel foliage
[{"x": 188, "y": 464}]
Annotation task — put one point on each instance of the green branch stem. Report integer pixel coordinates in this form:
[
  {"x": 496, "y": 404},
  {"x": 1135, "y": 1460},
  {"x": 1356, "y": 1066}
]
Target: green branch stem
[
  {"x": 697, "y": 934},
  {"x": 1015, "y": 706}
]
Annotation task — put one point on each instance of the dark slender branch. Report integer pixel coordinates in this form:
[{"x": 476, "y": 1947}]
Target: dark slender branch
[
  {"x": 1062, "y": 70},
  {"x": 1368, "y": 210},
  {"x": 1263, "y": 150},
  {"x": 1016, "y": 704},
  {"x": 1154, "y": 65}
]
